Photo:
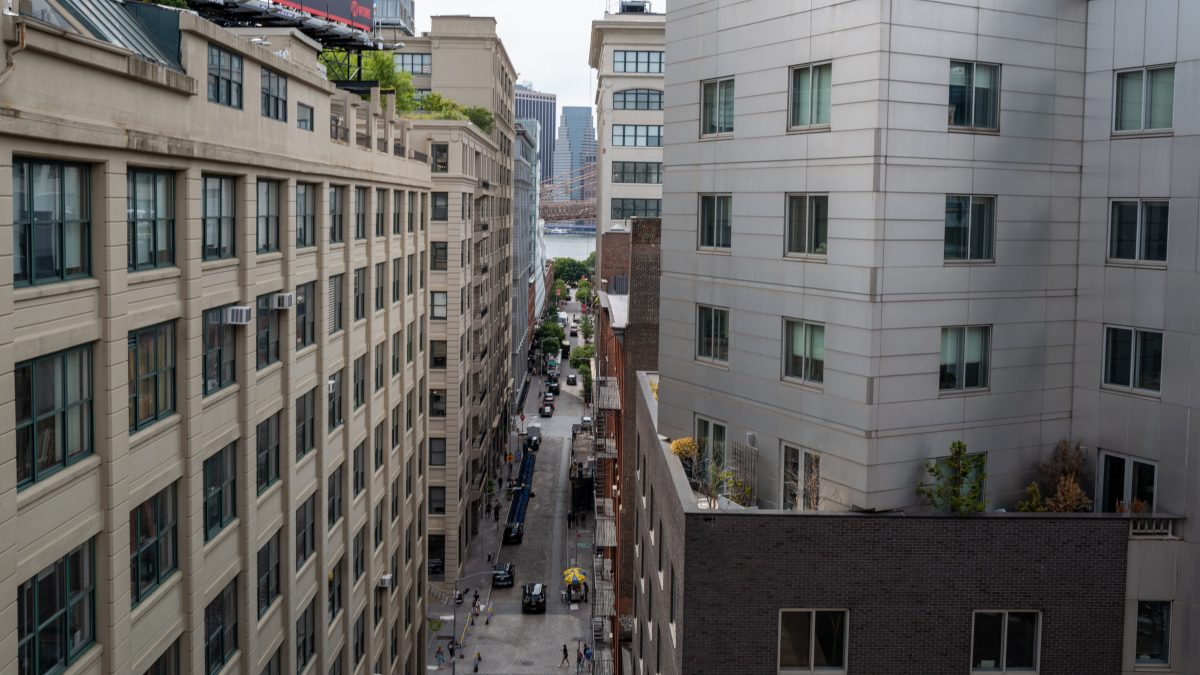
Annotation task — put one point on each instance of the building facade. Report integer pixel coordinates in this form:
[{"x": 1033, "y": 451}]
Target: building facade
[
  {"x": 525, "y": 202},
  {"x": 574, "y": 151},
  {"x": 627, "y": 53},
  {"x": 543, "y": 107},
  {"x": 887, "y": 228},
  {"x": 396, "y": 14},
  {"x": 199, "y": 354}
]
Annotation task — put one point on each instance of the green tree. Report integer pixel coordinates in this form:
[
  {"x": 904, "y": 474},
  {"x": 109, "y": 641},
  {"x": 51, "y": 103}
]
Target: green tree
[
  {"x": 590, "y": 264},
  {"x": 551, "y": 330},
  {"x": 377, "y": 66},
  {"x": 580, "y": 356},
  {"x": 586, "y": 329},
  {"x": 559, "y": 290},
  {"x": 480, "y": 117},
  {"x": 585, "y": 380},
  {"x": 583, "y": 290},
  {"x": 956, "y": 481},
  {"x": 569, "y": 270}
]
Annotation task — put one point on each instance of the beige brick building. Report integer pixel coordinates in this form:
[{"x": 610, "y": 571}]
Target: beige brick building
[{"x": 212, "y": 365}]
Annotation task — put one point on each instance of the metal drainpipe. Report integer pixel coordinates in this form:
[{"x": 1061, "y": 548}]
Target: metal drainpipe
[{"x": 10, "y": 63}]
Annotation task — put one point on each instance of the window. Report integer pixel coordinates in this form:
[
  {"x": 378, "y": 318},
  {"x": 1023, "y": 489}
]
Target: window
[
  {"x": 637, "y": 135},
  {"x": 333, "y": 499},
  {"x": 360, "y": 381},
  {"x": 379, "y": 359},
  {"x": 360, "y": 468},
  {"x": 412, "y": 265},
  {"x": 335, "y": 668},
  {"x": 266, "y": 338},
  {"x": 306, "y": 423},
  {"x": 637, "y": 62},
  {"x": 804, "y": 351},
  {"x": 396, "y": 353},
  {"x": 56, "y": 613},
  {"x": 1005, "y": 641},
  {"x": 436, "y": 562},
  {"x": 380, "y": 197},
  {"x": 439, "y": 257},
  {"x": 219, "y": 212},
  {"x": 151, "y": 208},
  {"x": 304, "y": 117},
  {"x": 412, "y": 210},
  {"x": 964, "y": 358},
  {"x": 377, "y": 611},
  {"x": 638, "y": 99},
  {"x": 1132, "y": 358},
  {"x": 55, "y": 197},
  {"x": 712, "y": 333},
  {"x": 437, "y": 354},
  {"x": 1138, "y": 231},
  {"x": 151, "y": 375},
  {"x": 220, "y": 629},
  {"x": 268, "y": 215},
  {"x": 333, "y": 592},
  {"x": 360, "y": 552},
  {"x": 417, "y": 64},
  {"x": 810, "y": 103},
  {"x": 408, "y": 410},
  {"x": 274, "y": 95},
  {"x": 360, "y": 637},
  {"x": 397, "y": 265},
  {"x": 807, "y": 225},
  {"x": 378, "y": 523},
  {"x": 437, "y": 500},
  {"x": 333, "y": 301},
  {"x": 337, "y": 215},
  {"x": 441, "y": 206},
  {"x": 306, "y": 530},
  {"x": 224, "y": 77},
  {"x": 1145, "y": 99},
  {"x": 395, "y": 498},
  {"x": 220, "y": 490},
  {"x": 306, "y": 314},
  {"x": 153, "y": 535},
  {"x": 397, "y": 199},
  {"x": 637, "y": 172},
  {"x": 625, "y": 207},
  {"x": 306, "y": 215},
  {"x": 439, "y": 157},
  {"x": 974, "y": 96},
  {"x": 437, "y": 402},
  {"x": 168, "y": 663},
  {"x": 379, "y": 445},
  {"x": 437, "y": 452},
  {"x": 716, "y": 231},
  {"x": 716, "y": 107},
  {"x": 380, "y": 273},
  {"x": 437, "y": 300},
  {"x": 219, "y": 351},
  {"x": 335, "y": 412},
  {"x": 970, "y": 227},
  {"x": 360, "y": 293},
  {"x": 360, "y": 213},
  {"x": 268, "y": 573},
  {"x": 812, "y": 640},
  {"x": 710, "y": 436},
  {"x": 306, "y": 636},
  {"x": 408, "y": 347},
  {"x": 1153, "y": 644},
  {"x": 396, "y": 426},
  {"x": 54, "y": 412},
  {"x": 267, "y": 452},
  {"x": 1127, "y": 485},
  {"x": 801, "y": 479},
  {"x": 421, "y": 267},
  {"x": 408, "y": 477}
]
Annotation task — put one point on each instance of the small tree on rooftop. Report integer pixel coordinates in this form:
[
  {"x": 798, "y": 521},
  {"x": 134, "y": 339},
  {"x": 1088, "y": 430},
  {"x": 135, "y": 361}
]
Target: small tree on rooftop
[{"x": 956, "y": 481}]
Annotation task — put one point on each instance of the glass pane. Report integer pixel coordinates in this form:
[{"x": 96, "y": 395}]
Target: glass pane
[
  {"x": 726, "y": 112},
  {"x": 948, "y": 376},
  {"x": 960, "y": 96},
  {"x": 797, "y": 224},
  {"x": 1113, "y": 483},
  {"x": 1118, "y": 356},
  {"x": 47, "y": 190},
  {"x": 816, "y": 354},
  {"x": 829, "y": 643},
  {"x": 1161, "y": 91},
  {"x": 1153, "y": 632},
  {"x": 985, "y": 651},
  {"x": 957, "y": 225},
  {"x": 818, "y": 224},
  {"x": 791, "y": 479},
  {"x": 47, "y": 260},
  {"x": 1021, "y": 649},
  {"x": 822, "y": 92},
  {"x": 981, "y": 228},
  {"x": 1143, "y": 486},
  {"x": 794, "y": 635},
  {"x": 1122, "y": 231},
  {"x": 1128, "y": 114},
  {"x": 794, "y": 361},
  {"x": 801, "y": 97},
  {"x": 987, "y": 96},
  {"x": 1154, "y": 230},
  {"x": 709, "y": 108},
  {"x": 975, "y": 358},
  {"x": 1149, "y": 366}
]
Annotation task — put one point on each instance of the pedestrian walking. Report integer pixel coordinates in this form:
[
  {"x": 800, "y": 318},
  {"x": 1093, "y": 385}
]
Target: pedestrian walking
[
  {"x": 578, "y": 660},
  {"x": 440, "y": 657},
  {"x": 489, "y": 616},
  {"x": 564, "y": 661},
  {"x": 587, "y": 653},
  {"x": 585, "y": 591},
  {"x": 478, "y": 658},
  {"x": 451, "y": 648},
  {"x": 475, "y": 602}
]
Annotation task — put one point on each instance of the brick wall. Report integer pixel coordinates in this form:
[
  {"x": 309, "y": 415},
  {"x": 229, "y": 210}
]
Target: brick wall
[{"x": 614, "y": 260}]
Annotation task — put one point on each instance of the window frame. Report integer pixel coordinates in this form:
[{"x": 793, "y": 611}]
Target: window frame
[
  {"x": 163, "y": 509},
  {"x": 161, "y": 373},
  {"x": 305, "y": 117},
  {"x": 439, "y": 206},
  {"x": 225, "y": 85},
  {"x": 267, "y": 333},
  {"x": 63, "y": 407},
  {"x": 267, "y": 441},
  {"x": 274, "y": 94},
  {"x": 223, "y": 225},
  {"x": 807, "y": 375},
  {"x": 1166, "y": 638},
  {"x": 972, "y": 113},
  {"x": 71, "y": 651},
  {"x": 643, "y": 98},
  {"x": 225, "y": 335},
  {"x": 1129, "y": 491},
  {"x": 306, "y": 422},
  {"x": 1144, "y": 103},
  {"x": 622, "y": 133},
  {"x": 335, "y": 302},
  {"x": 713, "y": 356},
  {"x": 337, "y": 214},
  {"x": 961, "y": 364},
  {"x": 812, "y": 641},
  {"x": 1135, "y": 359},
  {"x": 988, "y": 240},
  {"x": 221, "y": 466},
  {"x": 437, "y": 500},
  {"x": 718, "y": 126},
  {"x": 268, "y": 207},
  {"x": 306, "y": 215},
  {"x": 629, "y": 172},
  {"x": 162, "y": 252},
  {"x": 306, "y": 530},
  {"x": 335, "y": 497},
  {"x": 223, "y": 607},
  {"x": 435, "y": 305},
  {"x": 1140, "y": 228},
  {"x": 267, "y": 567},
  {"x": 809, "y": 228},
  {"x": 306, "y": 315},
  {"x": 808, "y": 490},
  {"x": 624, "y": 208},
  {"x": 1003, "y": 667},
  {"x": 306, "y": 636},
  {"x": 652, "y": 64},
  {"x": 709, "y": 203},
  {"x": 360, "y": 213},
  {"x": 28, "y": 273},
  {"x": 813, "y": 101}
]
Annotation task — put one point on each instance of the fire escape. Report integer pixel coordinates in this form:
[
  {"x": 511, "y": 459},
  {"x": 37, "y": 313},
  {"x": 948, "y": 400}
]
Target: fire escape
[{"x": 605, "y": 630}]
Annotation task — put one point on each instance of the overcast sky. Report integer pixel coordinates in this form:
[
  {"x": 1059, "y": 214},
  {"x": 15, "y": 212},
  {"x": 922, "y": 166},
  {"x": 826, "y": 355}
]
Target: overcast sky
[{"x": 547, "y": 40}]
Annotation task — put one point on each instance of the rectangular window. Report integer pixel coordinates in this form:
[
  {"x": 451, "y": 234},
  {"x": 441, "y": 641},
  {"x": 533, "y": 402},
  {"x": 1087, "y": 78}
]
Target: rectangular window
[
  {"x": 378, "y": 523},
  {"x": 380, "y": 197},
  {"x": 1145, "y": 99},
  {"x": 56, "y": 612},
  {"x": 439, "y": 256},
  {"x": 397, "y": 200},
  {"x": 412, "y": 265},
  {"x": 439, "y": 157},
  {"x": 360, "y": 637},
  {"x": 304, "y": 117},
  {"x": 970, "y": 227},
  {"x": 360, "y": 468},
  {"x": 437, "y": 354},
  {"x": 379, "y": 445},
  {"x": 306, "y": 423},
  {"x": 437, "y": 402},
  {"x": 51, "y": 222},
  {"x": 336, "y": 411},
  {"x": 1005, "y": 641},
  {"x": 266, "y": 339},
  {"x": 151, "y": 208},
  {"x": 804, "y": 351},
  {"x": 306, "y": 314},
  {"x": 412, "y": 210},
  {"x": 712, "y": 333},
  {"x": 417, "y": 64},
  {"x": 153, "y": 548},
  {"x": 220, "y": 490},
  {"x": 408, "y": 410},
  {"x": 637, "y": 61},
  {"x": 360, "y": 213},
  {"x": 306, "y": 530},
  {"x": 360, "y": 381},
  {"x": 397, "y": 270},
  {"x": 408, "y": 347},
  {"x": 801, "y": 479},
  {"x": 637, "y": 172},
  {"x": 623, "y": 208},
  {"x": 638, "y": 99},
  {"x": 1153, "y": 633},
  {"x": 333, "y": 302},
  {"x": 224, "y": 77},
  {"x": 360, "y": 293},
  {"x": 306, "y": 215},
  {"x": 964, "y": 358},
  {"x": 811, "y": 96},
  {"x": 360, "y": 552},
  {"x": 219, "y": 351},
  {"x": 219, "y": 208},
  {"x": 1138, "y": 231},
  {"x": 168, "y": 663},
  {"x": 333, "y": 592},
  {"x": 710, "y": 436},
  {"x": 396, "y": 353},
  {"x": 974, "y": 96},
  {"x": 306, "y": 636},
  {"x": 333, "y": 499},
  {"x": 266, "y": 452},
  {"x": 53, "y": 412},
  {"x": 380, "y": 273},
  {"x": 274, "y": 95},
  {"x": 1127, "y": 485},
  {"x": 268, "y": 215},
  {"x": 220, "y": 629},
  {"x": 421, "y": 267},
  {"x": 716, "y": 229},
  {"x": 807, "y": 225},
  {"x": 1132, "y": 358},
  {"x": 437, "y": 301},
  {"x": 437, "y": 452},
  {"x": 437, "y": 500},
  {"x": 441, "y": 206},
  {"x": 268, "y": 573},
  {"x": 337, "y": 215},
  {"x": 812, "y": 640},
  {"x": 637, "y": 135},
  {"x": 716, "y": 107},
  {"x": 379, "y": 360},
  {"x": 151, "y": 375}
]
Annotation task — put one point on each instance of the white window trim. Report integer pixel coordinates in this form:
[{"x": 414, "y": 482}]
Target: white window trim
[
  {"x": 964, "y": 390},
  {"x": 808, "y": 128},
  {"x": 1133, "y": 361},
  {"x": 800, "y": 379},
  {"x": 710, "y": 360},
  {"x": 804, "y": 452},
  {"x": 1142, "y": 131},
  {"x": 1138, "y": 260},
  {"x": 1127, "y": 489},
  {"x": 787, "y": 217},
  {"x": 990, "y": 260},
  {"x": 1037, "y": 646},
  {"x": 1150, "y": 665},
  {"x": 972, "y": 129},
  {"x": 716, "y": 134},
  {"x": 700, "y": 245},
  {"x": 812, "y": 643}
]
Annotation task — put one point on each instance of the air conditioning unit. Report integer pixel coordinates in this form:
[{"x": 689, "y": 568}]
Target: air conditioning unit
[
  {"x": 387, "y": 581},
  {"x": 283, "y": 301},
  {"x": 332, "y": 386},
  {"x": 238, "y": 315}
]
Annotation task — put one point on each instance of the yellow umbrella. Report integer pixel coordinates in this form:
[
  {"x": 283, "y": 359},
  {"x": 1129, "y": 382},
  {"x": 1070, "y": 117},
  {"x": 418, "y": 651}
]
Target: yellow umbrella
[{"x": 574, "y": 575}]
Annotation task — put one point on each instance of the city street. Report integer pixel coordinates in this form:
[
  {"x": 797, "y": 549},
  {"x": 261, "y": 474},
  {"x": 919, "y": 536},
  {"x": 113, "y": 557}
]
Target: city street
[{"x": 528, "y": 644}]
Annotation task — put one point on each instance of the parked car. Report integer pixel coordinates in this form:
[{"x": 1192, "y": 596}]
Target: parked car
[
  {"x": 548, "y": 399},
  {"x": 534, "y": 432},
  {"x": 552, "y": 376},
  {"x": 574, "y": 331},
  {"x": 504, "y": 575},
  {"x": 571, "y": 380},
  {"x": 546, "y": 411},
  {"x": 533, "y": 599},
  {"x": 552, "y": 387},
  {"x": 586, "y": 423}
]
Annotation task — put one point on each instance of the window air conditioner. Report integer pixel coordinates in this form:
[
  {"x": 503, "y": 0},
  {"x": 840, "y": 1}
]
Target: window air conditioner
[
  {"x": 386, "y": 581},
  {"x": 332, "y": 386},
  {"x": 283, "y": 301},
  {"x": 238, "y": 315}
]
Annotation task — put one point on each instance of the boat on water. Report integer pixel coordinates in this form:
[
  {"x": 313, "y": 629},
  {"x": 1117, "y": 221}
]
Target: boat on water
[{"x": 570, "y": 229}]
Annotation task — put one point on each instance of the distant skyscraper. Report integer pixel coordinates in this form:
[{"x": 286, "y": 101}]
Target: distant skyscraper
[
  {"x": 396, "y": 13},
  {"x": 575, "y": 147},
  {"x": 542, "y": 107}
]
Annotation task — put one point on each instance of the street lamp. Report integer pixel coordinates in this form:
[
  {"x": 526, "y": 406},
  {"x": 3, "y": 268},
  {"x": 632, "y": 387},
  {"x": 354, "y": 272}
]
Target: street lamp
[{"x": 454, "y": 637}]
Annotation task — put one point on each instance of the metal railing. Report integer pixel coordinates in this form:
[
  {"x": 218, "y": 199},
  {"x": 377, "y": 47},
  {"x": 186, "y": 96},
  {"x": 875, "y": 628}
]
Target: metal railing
[
  {"x": 420, "y": 156},
  {"x": 399, "y": 150},
  {"x": 1155, "y": 527},
  {"x": 338, "y": 130}
]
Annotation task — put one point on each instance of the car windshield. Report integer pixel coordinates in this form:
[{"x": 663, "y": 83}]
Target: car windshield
[{"x": 537, "y": 589}]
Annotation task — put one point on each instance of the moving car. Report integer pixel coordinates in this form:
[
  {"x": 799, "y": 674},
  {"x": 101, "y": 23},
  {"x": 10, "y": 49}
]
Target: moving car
[
  {"x": 571, "y": 380},
  {"x": 574, "y": 331},
  {"x": 548, "y": 399},
  {"x": 534, "y": 432},
  {"x": 546, "y": 411},
  {"x": 533, "y": 599},
  {"x": 504, "y": 575},
  {"x": 552, "y": 386}
]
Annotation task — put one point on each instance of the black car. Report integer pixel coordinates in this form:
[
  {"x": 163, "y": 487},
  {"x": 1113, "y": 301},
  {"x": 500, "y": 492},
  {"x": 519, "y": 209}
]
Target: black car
[
  {"x": 552, "y": 387},
  {"x": 571, "y": 380},
  {"x": 504, "y": 575},
  {"x": 533, "y": 599},
  {"x": 552, "y": 376},
  {"x": 546, "y": 411},
  {"x": 548, "y": 399}
]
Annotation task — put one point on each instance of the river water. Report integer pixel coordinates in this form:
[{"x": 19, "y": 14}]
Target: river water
[{"x": 578, "y": 246}]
